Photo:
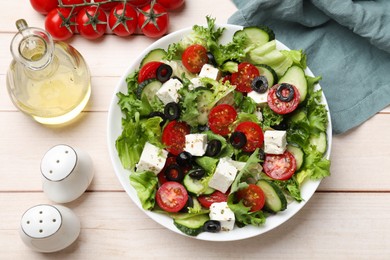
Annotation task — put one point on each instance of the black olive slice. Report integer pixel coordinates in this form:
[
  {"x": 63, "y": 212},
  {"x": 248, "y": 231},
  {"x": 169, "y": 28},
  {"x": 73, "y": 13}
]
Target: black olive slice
[
  {"x": 172, "y": 111},
  {"x": 213, "y": 148},
  {"x": 238, "y": 139},
  {"x": 184, "y": 159},
  {"x": 212, "y": 226},
  {"x": 159, "y": 114},
  {"x": 197, "y": 173},
  {"x": 164, "y": 72},
  {"x": 212, "y": 60},
  {"x": 280, "y": 95},
  {"x": 203, "y": 128},
  {"x": 174, "y": 173},
  {"x": 260, "y": 84},
  {"x": 189, "y": 204},
  {"x": 179, "y": 79}
]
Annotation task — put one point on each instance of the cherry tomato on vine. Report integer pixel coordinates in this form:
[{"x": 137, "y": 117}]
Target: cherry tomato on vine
[
  {"x": 74, "y": 2},
  {"x": 60, "y": 23},
  {"x": 139, "y": 3},
  {"x": 122, "y": 20},
  {"x": 153, "y": 20},
  {"x": 91, "y": 22},
  {"x": 107, "y": 6},
  {"x": 171, "y": 4},
  {"x": 44, "y": 6}
]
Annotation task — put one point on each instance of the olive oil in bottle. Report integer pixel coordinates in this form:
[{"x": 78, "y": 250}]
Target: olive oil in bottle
[{"x": 47, "y": 80}]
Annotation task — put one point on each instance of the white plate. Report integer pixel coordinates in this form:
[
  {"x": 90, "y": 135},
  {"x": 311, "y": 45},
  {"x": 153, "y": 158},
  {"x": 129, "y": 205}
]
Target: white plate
[{"x": 115, "y": 130}]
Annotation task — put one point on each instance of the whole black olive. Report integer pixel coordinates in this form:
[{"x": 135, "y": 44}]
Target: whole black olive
[
  {"x": 280, "y": 92},
  {"x": 238, "y": 139},
  {"x": 164, "y": 72},
  {"x": 260, "y": 84},
  {"x": 172, "y": 111},
  {"x": 212, "y": 226},
  {"x": 174, "y": 173},
  {"x": 213, "y": 148},
  {"x": 184, "y": 159},
  {"x": 212, "y": 60},
  {"x": 197, "y": 173}
]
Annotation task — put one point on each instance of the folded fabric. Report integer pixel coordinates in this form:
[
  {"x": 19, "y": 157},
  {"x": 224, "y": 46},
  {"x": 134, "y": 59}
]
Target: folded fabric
[{"x": 347, "y": 43}]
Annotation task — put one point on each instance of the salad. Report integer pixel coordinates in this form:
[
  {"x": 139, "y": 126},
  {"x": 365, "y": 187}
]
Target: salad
[{"x": 220, "y": 136}]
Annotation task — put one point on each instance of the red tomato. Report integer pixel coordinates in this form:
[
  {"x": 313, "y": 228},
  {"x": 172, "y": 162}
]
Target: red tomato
[
  {"x": 74, "y": 2},
  {"x": 153, "y": 20},
  {"x": 171, "y": 4},
  {"x": 60, "y": 24},
  {"x": 171, "y": 196},
  {"x": 280, "y": 166},
  {"x": 221, "y": 117},
  {"x": 148, "y": 71},
  {"x": 91, "y": 25},
  {"x": 139, "y": 3},
  {"x": 173, "y": 136},
  {"x": 252, "y": 196},
  {"x": 44, "y": 6},
  {"x": 216, "y": 196},
  {"x": 123, "y": 20},
  {"x": 279, "y": 106},
  {"x": 107, "y": 6},
  {"x": 194, "y": 57},
  {"x": 161, "y": 175},
  {"x": 253, "y": 133},
  {"x": 243, "y": 78}
]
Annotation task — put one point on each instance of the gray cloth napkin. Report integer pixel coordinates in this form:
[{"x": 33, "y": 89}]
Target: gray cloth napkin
[{"x": 347, "y": 43}]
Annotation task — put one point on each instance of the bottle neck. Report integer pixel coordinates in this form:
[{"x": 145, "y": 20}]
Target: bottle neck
[{"x": 32, "y": 47}]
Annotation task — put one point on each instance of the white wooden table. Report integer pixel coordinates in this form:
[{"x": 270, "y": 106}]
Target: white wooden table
[{"x": 347, "y": 218}]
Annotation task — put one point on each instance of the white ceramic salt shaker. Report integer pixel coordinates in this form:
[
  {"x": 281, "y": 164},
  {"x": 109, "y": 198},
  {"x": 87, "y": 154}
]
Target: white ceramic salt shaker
[
  {"x": 66, "y": 173},
  {"x": 47, "y": 228}
]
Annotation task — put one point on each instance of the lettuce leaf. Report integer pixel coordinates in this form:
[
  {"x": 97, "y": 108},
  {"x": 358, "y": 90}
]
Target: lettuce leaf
[{"x": 145, "y": 184}]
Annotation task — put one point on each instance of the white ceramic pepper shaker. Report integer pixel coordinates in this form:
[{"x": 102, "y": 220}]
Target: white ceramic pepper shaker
[
  {"x": 47, "y": 228},
  {"x": 66, "y": 173}
]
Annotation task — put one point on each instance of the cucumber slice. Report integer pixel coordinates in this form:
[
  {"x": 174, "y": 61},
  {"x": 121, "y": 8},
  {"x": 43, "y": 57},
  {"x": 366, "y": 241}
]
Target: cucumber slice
[
  {"x": 194, "y": 186},
  {"x": 296, "y": 76},
  {"x": 148, "y": 88},
  {"x": 203, "y": 103},
  {"x": 319, "y": 141},
  {"x": 255, "y": 35},
  {"x": 269, "y": 73},
  {"x": 297, "y": 153},
  {"x": 153, "y": 55},
  {"x": 275, "y": 200},
  {"x": 191, "y": 226}
]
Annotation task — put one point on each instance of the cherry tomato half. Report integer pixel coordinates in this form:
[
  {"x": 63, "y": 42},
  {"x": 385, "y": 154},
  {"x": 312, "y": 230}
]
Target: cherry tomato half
[
  {"x": 221, "y": 117},
  {"x": 44, "y": 6},
  {"x": 243, "y": 78},
  {"x": 279, "y": 106},
  {"x": 153, "y": 20},
  {"x": 60, "y": 24},
  {"x": 252, "y": 196},
  {"x": 171, "y": 4},
  {"x": 122, "y": 19},
  {"x": 194, "y": 57},
  {"x": 174, "y": 136},
  {"x": 216, "y": 196},
  {"x": 280, "y": 166},
  {"x": 171, "y": 196},
  {"x": 91, "y": 25},
  {"x": 253, "y": 133},
  {"x": 148, "y": 71}
]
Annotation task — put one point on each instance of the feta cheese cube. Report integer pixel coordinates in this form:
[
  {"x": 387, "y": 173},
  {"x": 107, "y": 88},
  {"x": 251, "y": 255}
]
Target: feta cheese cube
[
  {"x": 152, "y": 159},
  {"x": 169, "y": 91},
  {"x": 275, "y": 142},
  {"x": 259, "y": 98},
  {"x": 208, "y": 71},
  {"x": 196, "y": 144},
  {"x": 224, "y": 175},
  {"x": 221, "y": 212},
  {"x": 195, "y": 83}
]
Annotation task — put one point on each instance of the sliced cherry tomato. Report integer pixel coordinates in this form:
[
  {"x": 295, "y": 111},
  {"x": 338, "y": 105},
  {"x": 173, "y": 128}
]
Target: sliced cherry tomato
[
  {"x": 171, "y": 4},
  {"x": 221, "y": 117},
  {"x": 279, "y": 106},
  {"x": 153, "y": 20},
  {"x": 44, "y": 6},
  {"x": 171, "y": 196},
  {"x": 123, "y": 19},
  {"x": 174, "y": 136},
  {"x": 91, "y": 22},
  {"x": 252, "y": 196},
  {"x": 194, "y": 57},
  {"x": 216, "y": 196},
  {"x": 60, "y": 23},
  {"x": 243, "y": 78},
  {"x": 280, "y": 166},
  {"x": 253, "y": 133},
  {"x": 148, "y": 71}
]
